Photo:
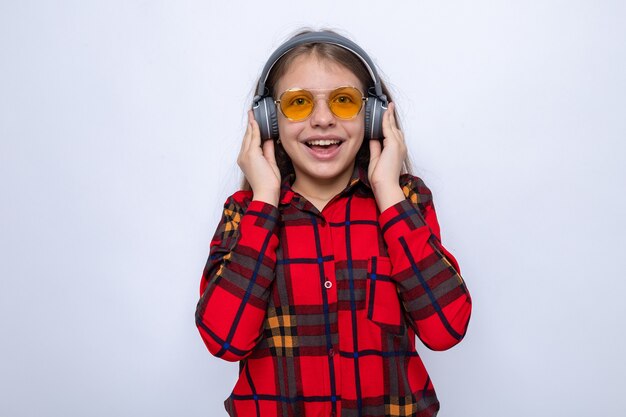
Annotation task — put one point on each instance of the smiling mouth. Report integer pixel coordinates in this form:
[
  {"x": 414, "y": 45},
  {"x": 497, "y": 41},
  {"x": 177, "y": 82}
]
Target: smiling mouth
[{"x": 323, "y": 143}]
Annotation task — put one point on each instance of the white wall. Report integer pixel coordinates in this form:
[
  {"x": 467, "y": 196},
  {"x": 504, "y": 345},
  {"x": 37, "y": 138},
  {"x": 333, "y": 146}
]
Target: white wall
[{"x": 119, "y": 126}]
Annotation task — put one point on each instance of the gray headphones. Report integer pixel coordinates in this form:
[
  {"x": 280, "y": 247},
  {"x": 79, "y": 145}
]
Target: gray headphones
[{"x": 263, "y": 104}]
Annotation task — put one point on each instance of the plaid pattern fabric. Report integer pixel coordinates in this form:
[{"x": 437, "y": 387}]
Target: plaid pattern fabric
[{"x": 322, "y": 309}]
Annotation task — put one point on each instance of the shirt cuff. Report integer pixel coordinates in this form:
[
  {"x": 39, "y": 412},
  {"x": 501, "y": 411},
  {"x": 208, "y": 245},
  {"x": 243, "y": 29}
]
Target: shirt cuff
[
  {"x": 401, "y": 219},
  {"x": 263, "y": 215}
]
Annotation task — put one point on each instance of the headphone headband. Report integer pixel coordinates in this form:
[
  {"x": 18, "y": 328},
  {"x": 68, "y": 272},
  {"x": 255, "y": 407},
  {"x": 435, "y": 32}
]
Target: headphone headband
[{"x": 319, "y": 37}]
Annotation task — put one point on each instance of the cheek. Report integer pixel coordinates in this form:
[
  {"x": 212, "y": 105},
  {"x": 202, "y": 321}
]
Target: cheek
[
  {"x": 285, "y": 128},
  {"x": 281, "y": 125},
  {"x": 357, "y": 126},
  {"x": 289, "y": 131}
]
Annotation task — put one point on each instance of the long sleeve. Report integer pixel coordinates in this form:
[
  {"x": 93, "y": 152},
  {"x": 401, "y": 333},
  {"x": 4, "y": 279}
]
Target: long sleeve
[
  {"x": 236, "y": 282},
  {"x": 427, "y": 276}
]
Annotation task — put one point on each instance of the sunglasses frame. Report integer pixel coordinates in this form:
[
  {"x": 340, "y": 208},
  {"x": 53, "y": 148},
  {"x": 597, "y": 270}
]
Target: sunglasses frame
[{"x": 363, "y": 101}]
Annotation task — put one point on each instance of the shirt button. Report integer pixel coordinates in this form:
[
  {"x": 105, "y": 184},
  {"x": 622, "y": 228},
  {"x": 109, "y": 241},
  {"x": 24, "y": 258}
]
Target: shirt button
[
  {"x": 331, "y": 352},
  {"x": 328, "y": 284}
]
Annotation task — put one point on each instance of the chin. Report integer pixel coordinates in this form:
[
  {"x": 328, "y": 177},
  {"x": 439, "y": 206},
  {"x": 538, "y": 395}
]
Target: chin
[{"x": 331, "y": 174}]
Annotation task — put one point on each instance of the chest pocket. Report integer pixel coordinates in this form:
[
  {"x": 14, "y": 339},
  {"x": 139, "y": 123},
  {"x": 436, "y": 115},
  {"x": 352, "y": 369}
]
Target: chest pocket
[{"x": 381, "y": 297}]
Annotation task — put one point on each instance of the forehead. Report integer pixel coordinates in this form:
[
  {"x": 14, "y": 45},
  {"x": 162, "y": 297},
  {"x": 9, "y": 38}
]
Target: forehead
[{"x": 314, "y": 72}]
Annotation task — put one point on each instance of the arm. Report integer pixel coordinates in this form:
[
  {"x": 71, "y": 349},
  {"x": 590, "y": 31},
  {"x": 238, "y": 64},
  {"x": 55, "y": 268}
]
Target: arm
[
  {"x": 427, "y": 276},
  {"x": 236, "y": 282}
]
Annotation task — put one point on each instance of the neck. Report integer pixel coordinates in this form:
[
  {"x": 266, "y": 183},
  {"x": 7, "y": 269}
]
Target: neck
[{"x": 320, "y": 191}]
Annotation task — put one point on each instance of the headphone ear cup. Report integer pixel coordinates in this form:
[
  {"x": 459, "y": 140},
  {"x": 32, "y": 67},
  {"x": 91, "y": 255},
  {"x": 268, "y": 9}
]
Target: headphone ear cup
[
  {"x": 374, "y": 110},
  {"x": 265, "y": 116}
]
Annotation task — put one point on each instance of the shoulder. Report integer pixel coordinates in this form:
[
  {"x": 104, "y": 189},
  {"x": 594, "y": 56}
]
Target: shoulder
[
  {"x": 415, "y": 189},
  {"x": 235, "y": 207},
  {"x": 238, "y": 202}
]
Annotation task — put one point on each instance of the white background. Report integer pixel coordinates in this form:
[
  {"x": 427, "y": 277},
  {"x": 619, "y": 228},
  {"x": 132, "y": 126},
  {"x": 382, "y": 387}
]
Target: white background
[{"x": 120, "y": 122}]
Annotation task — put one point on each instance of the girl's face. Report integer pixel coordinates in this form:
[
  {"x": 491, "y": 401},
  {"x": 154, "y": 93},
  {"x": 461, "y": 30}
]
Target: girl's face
[{"x": 322, "y": 147}]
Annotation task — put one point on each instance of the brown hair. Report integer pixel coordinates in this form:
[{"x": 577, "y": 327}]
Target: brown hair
[{"x": 335, "y": 54}]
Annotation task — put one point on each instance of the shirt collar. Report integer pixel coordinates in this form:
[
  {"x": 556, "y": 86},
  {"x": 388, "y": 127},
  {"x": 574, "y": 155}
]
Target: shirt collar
[{"x": 357, "y": 180}]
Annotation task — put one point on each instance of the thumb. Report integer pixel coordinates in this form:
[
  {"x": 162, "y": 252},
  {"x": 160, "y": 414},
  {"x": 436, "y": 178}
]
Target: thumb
[{"x": 375, "y": 150}]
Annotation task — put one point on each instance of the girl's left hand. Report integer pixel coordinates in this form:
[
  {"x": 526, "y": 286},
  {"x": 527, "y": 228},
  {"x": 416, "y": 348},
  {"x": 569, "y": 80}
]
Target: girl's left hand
[{"x": 386, "y": 162}]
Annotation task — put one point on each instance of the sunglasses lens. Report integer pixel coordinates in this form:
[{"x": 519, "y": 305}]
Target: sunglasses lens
[
  {"x": 296, "y": 104},
  {"x": 345, "y": 102}
]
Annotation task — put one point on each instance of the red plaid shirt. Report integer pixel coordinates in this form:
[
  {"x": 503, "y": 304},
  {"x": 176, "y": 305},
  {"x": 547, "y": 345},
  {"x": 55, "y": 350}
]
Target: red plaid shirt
[{"x": 322, "y": 309}]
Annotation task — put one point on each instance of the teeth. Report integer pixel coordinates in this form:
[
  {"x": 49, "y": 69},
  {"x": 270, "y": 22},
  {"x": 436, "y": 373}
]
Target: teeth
[{"x": 323, "y": 142}]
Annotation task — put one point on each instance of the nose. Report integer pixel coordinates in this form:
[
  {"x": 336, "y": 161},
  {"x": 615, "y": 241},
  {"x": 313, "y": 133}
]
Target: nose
[{"x": 322, "y": 116}]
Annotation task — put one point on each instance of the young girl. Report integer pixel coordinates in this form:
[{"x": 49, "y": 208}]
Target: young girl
[{"x": 327, "y": 265}]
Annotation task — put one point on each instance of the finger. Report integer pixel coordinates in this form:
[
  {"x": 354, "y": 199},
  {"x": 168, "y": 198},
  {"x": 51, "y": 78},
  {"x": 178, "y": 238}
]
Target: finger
[
  {"x": 387, "y": 124},
  {"x": 375, "y": 150},
  {"x": 268, "y": 152},
  {"x": 255, "y": 132},
  {"x": 392, "y": 115},
  {"x": 394, "y": 132},
  {"x": 245, "y": 144},
  {"x": 395, "y": 126}
]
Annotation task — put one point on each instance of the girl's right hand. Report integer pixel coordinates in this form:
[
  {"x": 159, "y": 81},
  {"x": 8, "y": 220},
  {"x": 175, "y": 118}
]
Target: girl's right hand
[{"x": 258, "y": 164}]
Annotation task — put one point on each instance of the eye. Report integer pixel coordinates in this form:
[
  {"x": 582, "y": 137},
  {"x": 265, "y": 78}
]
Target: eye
[
  {"x": 343, "y": 99},
  {"x": 299, "y": 101}
]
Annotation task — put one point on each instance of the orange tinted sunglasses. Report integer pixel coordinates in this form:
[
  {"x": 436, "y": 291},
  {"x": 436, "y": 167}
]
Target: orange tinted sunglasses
[{"x": 297, "y": 104}]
